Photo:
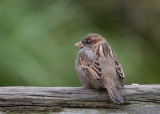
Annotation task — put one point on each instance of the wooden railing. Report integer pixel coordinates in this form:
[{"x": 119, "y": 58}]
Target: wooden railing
[{"x": 138, "y": 99}]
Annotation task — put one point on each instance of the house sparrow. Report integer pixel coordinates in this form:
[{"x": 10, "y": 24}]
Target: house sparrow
[{"x": 98, "y": 67}]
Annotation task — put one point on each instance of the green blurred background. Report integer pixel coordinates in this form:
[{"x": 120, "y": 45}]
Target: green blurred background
[{"x": 37, "y": 39}]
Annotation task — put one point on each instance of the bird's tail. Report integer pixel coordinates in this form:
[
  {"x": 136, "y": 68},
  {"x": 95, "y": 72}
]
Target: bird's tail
[{"x": 115, "y": 95}]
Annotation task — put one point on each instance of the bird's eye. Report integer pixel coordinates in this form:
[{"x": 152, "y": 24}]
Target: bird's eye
[{"x": 86, "y": 42}]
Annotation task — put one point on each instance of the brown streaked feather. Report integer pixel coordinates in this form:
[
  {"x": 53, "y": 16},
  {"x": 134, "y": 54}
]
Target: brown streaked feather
[
  {"x": 120, "y": 72},
  {"x": 103, "y": 50},
  {"x": 91, "y": 66},
  {"x": 118, "y": 67},
  {"x": 111, "y": 52}
]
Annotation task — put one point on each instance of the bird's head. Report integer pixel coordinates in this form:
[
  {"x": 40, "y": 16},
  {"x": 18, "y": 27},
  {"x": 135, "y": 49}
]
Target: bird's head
[{"x": 89, "y": 41}]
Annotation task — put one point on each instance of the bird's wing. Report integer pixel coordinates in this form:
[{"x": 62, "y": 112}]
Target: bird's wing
[
  {"x": 120, "y": 72},
  {"x": 104, "y": 50},
  {"x": 92, "y": 66}
]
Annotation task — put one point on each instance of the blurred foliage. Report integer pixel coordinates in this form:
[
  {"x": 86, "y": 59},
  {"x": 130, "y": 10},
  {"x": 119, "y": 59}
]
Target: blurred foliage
[{"x": 37, "y": 39}]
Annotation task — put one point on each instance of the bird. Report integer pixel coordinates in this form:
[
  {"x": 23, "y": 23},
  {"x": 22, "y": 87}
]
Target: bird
[{"x": 98, "y": 67}]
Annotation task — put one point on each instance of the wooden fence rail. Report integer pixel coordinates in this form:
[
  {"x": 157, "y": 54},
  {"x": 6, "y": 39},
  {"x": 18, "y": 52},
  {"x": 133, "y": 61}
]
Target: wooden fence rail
[{"x": 138, "y": 99}]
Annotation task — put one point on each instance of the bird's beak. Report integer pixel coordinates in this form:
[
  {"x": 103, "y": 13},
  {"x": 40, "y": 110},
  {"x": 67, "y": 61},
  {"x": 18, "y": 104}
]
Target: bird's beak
[{"x": 79, "y": 44}]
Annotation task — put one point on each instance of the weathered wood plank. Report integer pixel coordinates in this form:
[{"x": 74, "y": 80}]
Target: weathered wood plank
[{"x": 57, "y": 98}]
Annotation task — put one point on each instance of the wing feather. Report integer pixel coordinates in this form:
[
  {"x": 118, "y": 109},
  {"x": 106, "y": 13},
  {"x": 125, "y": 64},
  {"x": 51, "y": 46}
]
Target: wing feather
[
  {"x": 118, "y": 67},
  {"x": 92, "y": 66}
]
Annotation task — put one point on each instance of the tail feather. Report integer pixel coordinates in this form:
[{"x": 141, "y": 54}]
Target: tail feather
[{"x": 114, "y": 95}]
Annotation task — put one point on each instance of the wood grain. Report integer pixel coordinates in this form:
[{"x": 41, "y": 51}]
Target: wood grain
[{"x": 58, "y": 98}]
